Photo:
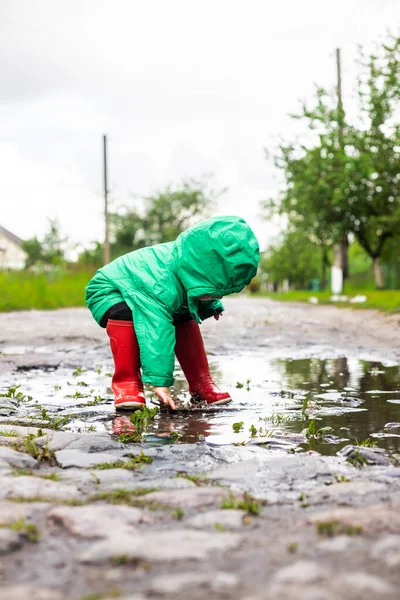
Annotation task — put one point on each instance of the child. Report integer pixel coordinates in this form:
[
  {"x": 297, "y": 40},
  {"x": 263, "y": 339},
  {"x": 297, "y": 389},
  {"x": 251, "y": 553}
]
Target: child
[{"x": 152, "y": 300}]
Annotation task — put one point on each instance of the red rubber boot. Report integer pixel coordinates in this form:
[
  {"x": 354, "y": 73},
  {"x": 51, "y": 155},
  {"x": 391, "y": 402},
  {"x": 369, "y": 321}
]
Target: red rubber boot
[
  {"x": 190, "y": 352},
  {"x": 127, "y": 381}
]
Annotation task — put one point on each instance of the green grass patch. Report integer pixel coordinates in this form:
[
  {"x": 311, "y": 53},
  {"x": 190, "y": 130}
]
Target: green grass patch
[
  {"x": 22, "y": 290},
  {"x": 383, "y": 300}
]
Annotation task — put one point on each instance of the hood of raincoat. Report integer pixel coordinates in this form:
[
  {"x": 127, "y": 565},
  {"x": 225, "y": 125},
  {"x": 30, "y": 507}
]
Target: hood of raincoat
[{"x": 217, "y": 257}]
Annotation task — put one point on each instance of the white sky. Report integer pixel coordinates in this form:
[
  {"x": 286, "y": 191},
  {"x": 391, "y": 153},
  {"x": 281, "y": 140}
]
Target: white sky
[{"x": 182, "y": 88}]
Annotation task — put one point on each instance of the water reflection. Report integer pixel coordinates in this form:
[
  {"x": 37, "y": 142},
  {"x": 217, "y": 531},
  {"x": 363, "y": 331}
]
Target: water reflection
[{"x": 356, "y": 398}]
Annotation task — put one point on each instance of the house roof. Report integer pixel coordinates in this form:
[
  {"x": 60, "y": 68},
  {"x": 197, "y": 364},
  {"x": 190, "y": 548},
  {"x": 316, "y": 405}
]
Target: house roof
[{"x": 11, "y": 236}]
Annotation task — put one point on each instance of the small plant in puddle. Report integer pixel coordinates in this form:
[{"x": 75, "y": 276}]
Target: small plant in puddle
[
  {"x": 219, "y": 527},
  {"x": 78, "y": 371},
  {"x": 237, "y": 427},
  {"x": 96, "y": 400},
  {"x": 82, "y": 383},
  {"x": 98, "y": 370},
  {"x": 312, "y": 432},
  {"x": 253, "y": 431},
  {"x": 248, "y": 503},
  {"x": 368, "y": 443},
  {"x": 13, "y": 392},
  {"x": 29, "y": 530},
  {"x": 77, "y": 394},
  {"x": 240, "y": 385},
  {"x": 178, "y": 514},
  {"x": 277, "y": 419},
  {"x": 332, "y": 528},
  {"x": 292, "y": 547},
  {"x": 176, "y": 436},
  {"x": 141, "y": 419},
  {"x": 57, "y": 388},
  {"x": 90, "y": 428}
]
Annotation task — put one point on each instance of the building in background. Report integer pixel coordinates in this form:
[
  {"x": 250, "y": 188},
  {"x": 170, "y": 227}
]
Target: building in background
[{"x": 12, "y": 255}]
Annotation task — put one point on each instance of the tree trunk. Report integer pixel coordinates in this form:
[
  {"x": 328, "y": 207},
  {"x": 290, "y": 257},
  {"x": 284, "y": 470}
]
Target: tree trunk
[{"x": 377, "y": 273}]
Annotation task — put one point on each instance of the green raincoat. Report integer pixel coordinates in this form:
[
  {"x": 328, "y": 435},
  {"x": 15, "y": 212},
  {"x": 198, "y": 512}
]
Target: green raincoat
[{"x": 162, "y": 284}]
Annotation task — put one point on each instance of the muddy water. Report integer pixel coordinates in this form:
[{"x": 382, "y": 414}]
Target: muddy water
[{"x": 274, "y": 398}]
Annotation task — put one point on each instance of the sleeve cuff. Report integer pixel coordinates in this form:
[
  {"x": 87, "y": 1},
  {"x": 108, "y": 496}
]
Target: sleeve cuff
[{"x": 158, "y": 381}]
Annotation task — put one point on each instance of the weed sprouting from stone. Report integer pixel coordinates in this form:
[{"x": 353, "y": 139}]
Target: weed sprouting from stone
[
  {"x": 332, "y": 528},
  {"x": 197, "y": 479},
  {"x": 341, "y": 479},
  {"x": 312, "y": 432},
  {"x": 135, "y": 461},
  {"x": 11, "y": 433},
  {"x": 368, "y": 443},
  {"x": 247, "y": 503},
  {"x": 29, "y": 530},
  {"x": 292, "y": 547},
  {"x": 178, "y": 514},
  {"x": 114, "y": 593},
  {"x": 29, "y": 446},
  {"x": 219, "y": 527},
  {"x": 357, "y": 460}
]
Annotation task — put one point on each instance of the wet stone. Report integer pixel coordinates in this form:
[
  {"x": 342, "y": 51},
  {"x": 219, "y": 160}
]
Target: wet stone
[
  {"x": 228, "y": 519},
  {"x": 387, "y": 550},
  {"x": 16, "y": 459},
  {"x": 77, "y": 458},
  {"x": 364, "y": 582},
  {"x": 85, "y": 442},
  {"x": 34, "y": 487},
  {"x": 187, "y": 498},
  {"x": 212, "y": 581},
  {"x": 301, "y": 572},
  {"x": 371, "y": 456},
  {"x": 9, "y": 540},
  {"x": 98, "y": 521},
  {"x": 20, "y": 592},
  {"x": 162, "y": 546},
  {"x": 372, "y": 519},
  {"x": 340, "y": 543}
]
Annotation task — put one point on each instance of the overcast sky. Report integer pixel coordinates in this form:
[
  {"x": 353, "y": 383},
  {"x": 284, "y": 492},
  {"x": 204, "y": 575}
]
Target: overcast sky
[{"x": 181, "y": 87}]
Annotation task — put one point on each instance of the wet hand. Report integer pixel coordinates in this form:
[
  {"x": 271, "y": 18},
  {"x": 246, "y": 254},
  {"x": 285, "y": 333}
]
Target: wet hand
[
  {"x": 217, "y": 316},
  {"x": 164, "y": 396}
]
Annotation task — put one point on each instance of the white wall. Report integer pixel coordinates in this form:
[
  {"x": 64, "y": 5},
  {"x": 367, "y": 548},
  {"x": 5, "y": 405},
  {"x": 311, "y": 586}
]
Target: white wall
[{"x": 11, "y": 255}]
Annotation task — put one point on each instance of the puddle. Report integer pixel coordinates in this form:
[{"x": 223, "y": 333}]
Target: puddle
[{"x": 273, "y": 399}]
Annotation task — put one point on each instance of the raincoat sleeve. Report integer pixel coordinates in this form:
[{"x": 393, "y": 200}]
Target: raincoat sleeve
[
  {"x": 155, "y": 332},
  {"x": 209, "y": 308}
]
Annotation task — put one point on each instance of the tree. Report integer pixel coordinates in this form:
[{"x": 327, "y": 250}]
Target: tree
[
  {"x": 48, "y": 251},
  {"x": 164, "y": 216},
  {"x": 294, "y": 259},
  {"x": 345, "y": 177}
]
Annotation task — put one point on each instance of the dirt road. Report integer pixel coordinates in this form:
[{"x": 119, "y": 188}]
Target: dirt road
[{"x": 86, "y": 516}]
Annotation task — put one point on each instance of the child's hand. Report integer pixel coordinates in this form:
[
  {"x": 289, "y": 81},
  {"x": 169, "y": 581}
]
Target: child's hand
[
  {"x": 165, "y": 396},
  {"x": 217, "y": 316}
]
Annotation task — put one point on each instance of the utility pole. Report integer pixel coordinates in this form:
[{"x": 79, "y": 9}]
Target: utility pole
[
  {"x": 339, "y": 268},
  {"x": 107, "y": 252}
]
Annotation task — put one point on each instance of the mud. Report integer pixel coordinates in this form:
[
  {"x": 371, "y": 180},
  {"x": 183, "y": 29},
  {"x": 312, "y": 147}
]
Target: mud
[{"x": 321, "y": 521}]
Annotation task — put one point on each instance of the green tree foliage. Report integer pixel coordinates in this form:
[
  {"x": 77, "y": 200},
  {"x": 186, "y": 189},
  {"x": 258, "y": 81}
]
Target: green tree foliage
[
  {"x": 163, "y": 217},
  {"x": 345, "y": 178},
  {"x": 48, "y": 251},
  {"x": 295, "y": 259}
]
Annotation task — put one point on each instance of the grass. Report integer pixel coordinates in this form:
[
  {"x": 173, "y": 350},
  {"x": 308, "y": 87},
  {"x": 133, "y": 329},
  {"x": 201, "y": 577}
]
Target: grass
[
  {"x": 248, "y": 503},
  {"x": 29, "y": 530},
  {"x": 22, "y": 290},
  {"x": 133, "y": 462},
  {"x": 332, "y": 528},
  {"x": 383, "y": 300}
]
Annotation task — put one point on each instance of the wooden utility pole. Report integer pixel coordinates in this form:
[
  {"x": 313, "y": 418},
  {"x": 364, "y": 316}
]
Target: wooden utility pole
[
  {"x": 107, "y": 252},
  {"x": 340, "y": 267}
]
